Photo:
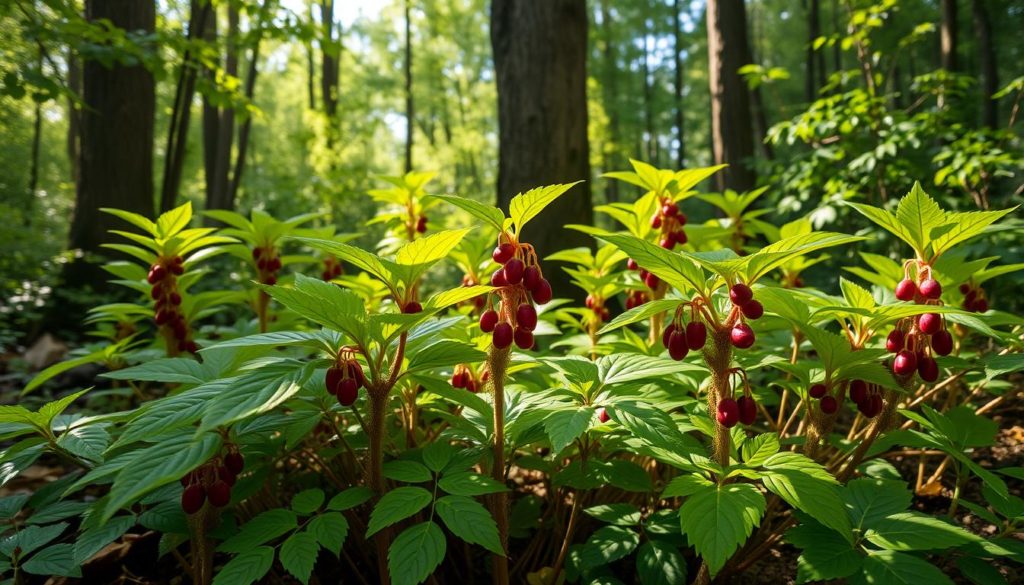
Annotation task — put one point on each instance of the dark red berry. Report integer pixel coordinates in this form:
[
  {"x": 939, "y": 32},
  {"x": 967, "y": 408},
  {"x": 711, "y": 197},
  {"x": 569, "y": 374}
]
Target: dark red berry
[
  {"x": 590, "y": 301},
  {"x": 175, "y": 298},
  {"x": 981, "y": 306},
  {"x": 748, "y": 409},
  {"x": 656, "y": 221},
  {"x": 256, "y": 253},
  {"x": 680, "y": 236},
  {"x": 829, "y": 405},
  {"x": 929, "y": 323},
  {"x": 355, "y": 371},
  {"x": 632, "y": 265},
  {"x": 502, "y": 336},
  {"x": 931, "y": 288},
  {"x": 667, "y": 242},
  {"x": 459, "y": 380},
  {"x": 470, "y": 384},
  {"x": 542, "y": 293},
  {"x": 192, "y": 498},
  {"x": 906, "y": 290},
  {"x": 905, "y": 363},
  {"x": 740, "y": 294},
  {"x": 498, "y": 278},
  {"x": 514, "y": 271},
  {"x": 728, "y": 413},
  {"x": 942, "y": 342},
  {"x": 752, "y": 310},
  {"x": 677, "y": 348},
  {"x": 651, "y": 280},
  {"x": 219, "y": 494},
  {"x": 187, "y": 479},
  {"x": 523, "y": 338},
  {"x": 333, "y": 378},
  {"x": 742, "y": 336},
  {"x": 602, "y": 415},
  {"x": 666, "y": 334},
  {"x": 531, "y": 277},
  {"x": 421, "y": 224},
  {"x": 858, "y": 391},
  {"x": 274, "y": 264},
  {"x": 271, "y": 280},
  {"x": 412, "y": 307},
  {"x": 348, "y": 391},
  {"x": 156, "y": 274},
  {"x": 526, "y": 317},
  {"x": 817, "y": 391},
  {"x": 488, "y": 320},
  {"x": 894, "y": 342},
  {"x": 234, "y": 462},
  {"x": 503, "y": 253},
  {"x": 226, "y": 475},
  {"x": 965, "y": 288},
  {"x": 927, "y": 368},
  {"x": 696, "y": 335},
  {"x": 876, "y": 406}
]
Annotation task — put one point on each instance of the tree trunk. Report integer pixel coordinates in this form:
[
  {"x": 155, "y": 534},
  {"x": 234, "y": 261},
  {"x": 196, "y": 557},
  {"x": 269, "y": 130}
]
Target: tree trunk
[
  {"x": 813, "y": 32},
  {"x": 731, "y": 120},
  {"x": 116, "y": 142},
  {"x": 650, "y": 139},
  {"x": 37, "y": 135},
  {"x": 611, "y": 99},
  {"x": 74, "y": 116},
  {"x": 310, "y": 65},
  {"x": 837, "y": 50},
  {"x": 329, "y": 75},
  {"x": 987, "y": 57},
  {"x": 540, "y": 54},
  {"x": 677, "y": 31},
  {"x": 948, "y": 35},
  {"x": 222, "y": 128},
  {"x": 409, "y": 108}
]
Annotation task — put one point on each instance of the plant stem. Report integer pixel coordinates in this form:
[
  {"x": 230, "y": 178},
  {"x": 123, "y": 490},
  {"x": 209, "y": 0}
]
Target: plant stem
[
  {"x": 375, "y": 472},
  {"x": 497, "y": 361}
]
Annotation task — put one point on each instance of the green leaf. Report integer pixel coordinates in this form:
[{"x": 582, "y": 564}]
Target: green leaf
[
  {"x": 619, "y": 368},
  {"x": 407, "y": 471},
  {"x": 870, "y": 500},
  {"x": 467, "y": 483},
  {"x": 171, "y": 222},
  {"x": 57, "y": 560},
  {"x": 58, "y": 368},
  {"x": 350, "y": 498},
  {"x": 255, "y": 392},
  {"x": 437, "y": 454},
  {"x": 826, "y": 555},
  {"x": 916, "y": 531},
  {"x": 429, "y": 249},
  {"x": 607, "y": 545},
  {"x": 675, "y": 269},
  {"x": 139, "y": 221},
  {"x": 30, "y": 538},
  {"x": 323, "y": 303},
  {"x": 806, "y": 486},
  {"x": 652, "y": 425},
  {"x": 481, "y": 211},
  {"x": 415, "y": 554},
  {"x": 659, "y": 563},
  {"x": 248, "y": 567},
  {"x": 919, "y": 214},
  {"x": 564, "y": 426},
  {"x": 641, "y": 313},
  {"x": 330, "y": 530},
  {"x": 260, "y": 530},
  {"x": 980, "y": 571},
  {"x": 444, "y": 353},
  {"x": 308, "y": 501},
  {"x": 398, "y": 504},
  {"x": 617, "y": 514},
  {"x": 526, "y": 206},
  {"x": 470, "y": 521},
  {"x": 757, "y": 450},
  {"x": 718, "y": 519},
  {"x": 298, "y": 555},
  {"x": 94, "y": 539},
  {"x": 686, "y": 485},
  {"x": 966, "y": 225},
  {"x": 885, "y": 567}
]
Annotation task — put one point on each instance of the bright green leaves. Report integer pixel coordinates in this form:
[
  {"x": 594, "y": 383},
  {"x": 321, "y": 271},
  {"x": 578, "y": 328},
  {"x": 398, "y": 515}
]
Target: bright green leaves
[
  {"x": 416, "y": 553},
  {"x": 808, "y": 487},
  {"x": 926, "y": 227},
  {"x": 470, "y": 521},
  {"x": 397, "y": 504},
  {"x": 486, "y": 213},
  {"x": 675, "y": 269},
  {"x": 869, "y": 500},
  {"x": 260, "y": 530},
  {"x": 528, "y": 205},
  {"x": 887, "y": 567},
  {"x": 826, "y": 554},
  {"x": 718, "y": 519},
  {"x": 915, "y": 531},
  {"x": 298, "y": 555},
  {"x": 42, "y": 419},
  {"x": 659, "y": 563},
  {"x": 167, "y": 236},
  {"x": 323, "y": 303}
]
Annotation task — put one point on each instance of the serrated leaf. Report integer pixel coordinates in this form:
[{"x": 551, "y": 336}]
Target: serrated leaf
[
  {"x": 564, "y": 426},
  {"x": 444, "y": 353},
  {"x": 641, "y": 313},
  {"x": 481, "y": 211},
  {"x": 308, "y": 501},
  {"x": 806, "y": 486},
  {"x": 825, "y": 554},
  {"x": 675, "y": 269},
  {"x": 298, "y": 555},
  {"x": 617, "y": 514},
  {"x": 429, "y": 249},
  {"x": 915, "y": 531},
  {"x": 686, "y": 485},
  {"x": 30, "y": 538},
  {"x": 608, "y": 544},
  {"x": 470, "y": 521},
  {"x": 870, "y": 500},
  {"x": 467, "y": 483},
  {"x": 756, "y": 450},
  {"x": 526, "y": 206},
  {"x": 260, "y": 530},
  {"x": 415, "y": 554},
  {"x": 330, "y": 530},
  {"x": 659, "y": 563},
  {"x": 248, "y": 567},
  {"x": 94, "y": 539},
  {"x": 885, "y": 567},
  {"x": 396, "y": 505},
  {"x": 350, "y": 498},
  {"x": 406, "y": 471},
  {"x": 57, "y": 560},
  {"x": 437, "y": 454},
  {"x": 718, "y": 519}
]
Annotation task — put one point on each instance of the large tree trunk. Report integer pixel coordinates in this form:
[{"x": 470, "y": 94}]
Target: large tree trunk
[
  {"x": 811, "y": 84},
  {"x": 540, "y": 54},
  {"x": 731, "y": 122},
  {"x": 649, "y": 136},
  {"x": 989, "y": 70},
  {"x": 611, "y": 98},
  {"x": 677, "y": 31},
  {"x": 74, "y": 116},
  {"x": 330, "y": 64},
  {"x": 409, "y": 107},
  {"x": 116, "y": 164},
  {"x": 219, "y": 127},
  {"x": 948, "y": 35}
]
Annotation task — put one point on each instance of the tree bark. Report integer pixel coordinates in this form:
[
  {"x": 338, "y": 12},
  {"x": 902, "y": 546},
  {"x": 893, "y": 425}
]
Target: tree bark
[
  {"x": 74, "y": 116},
  {"x": 811, "y": 84},
  {"x": 948, "y": 35},
  {"x": 987, "y": 58},
  {"x": 731, "y": 122},
  {"x": 611, "y": 98},
  {"x": 116, "y": 140},
  {"x": 650, "y": 139},
  {"x": 540, "y": 54},
  {"x": 329, "y": 63},
  {"x": 409, "y": 106},
  {"x": 677, "y": 31}
]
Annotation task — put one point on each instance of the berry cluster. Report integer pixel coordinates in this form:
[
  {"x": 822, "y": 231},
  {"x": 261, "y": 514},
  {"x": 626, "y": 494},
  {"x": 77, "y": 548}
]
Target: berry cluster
[
  {"x": 268, "y": 262},
  {"x": 212, "y": 481},
  {"x": 650, "y": 280},
  {"x": 742, "y": 297},
  {"x": 596, "y": 304},
  {"x": 345, "y": 378},
  {"x": 974, "y": 298},
  {"x": 679, "y": 337},
  {"x": 916, "y": 339},
  {"x": 518, "y": 281},
  {"x": 738, "y": 410},
  {"x": 332, "y": 269},
  {"x": 163, "y": 276},
  {"x": 465, "y": 377},
  {"x": 670, "y": 221},
  {"x": 635, "y": 298},
  {"x": 828, "y": 403},
  {"x": 867, "y": 397}
]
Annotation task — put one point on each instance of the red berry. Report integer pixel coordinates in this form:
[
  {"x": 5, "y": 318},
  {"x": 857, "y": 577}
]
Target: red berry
[
  {"x": 740, "y": 294},
  {"x": 334, "y": 376},
  {"x": 157, "y": 292},
  {"x": 175, "y": 298},
  {"x": 502, "y": 336},
  {"x": 666, "y": 334},
  {"x": 348, "y": 391},
  {"x": 602, "y": 415},
  {"x": 156, "y": 274},
  {"x": 927, "y": 368},
  {"x": 929, "y": 323},
  {"x": 876, "y": 406},
  {"x": 256, "y": 253},
  {"x": 632, "y": 265},
  {"x": 470, "y": 383},
  {"x": 817, "y": 391},
  {"x": 748, "y": 410},
  {"x": 681, "y": 218},
  {"x": 667, "y": 242},
  {"x": 677, "y": 348},
  {"x": 542, "y": 293},
  {"x": 355, "y": 371},
  {"x": 514, "y": 271},
  {"x": 234, "y": 462},
  {"x": 651, "y": 280},
  {"x": 590, "y": 301},
  {"x": 274, "y": 264},
  {"x": 742, "y": 336},
  {"x": 696, "y": 334},
  {"x": 669, "y": 208},
  {"x": 905, "y": 363},
  {"x": 226, "y": 475},
  {"x": 894, "y": 342},
  {"x": 192, "y": 498},
  {"x": 942, "y": 342},
  {"x": 271, "y": 280},
  {"x": 187, "y": 479},
  {"x": 219, "y": 494},
  {"x": 412, "y": 307},
  {"x": 488, "y": 320},
  {"x": 931, "y": 288},
  {"x": 421, "y": 224},
  {"x": 965, "y": 288},
  {"x": 523, "y": 338},
  {"x": 503, "y": 253},
  {"x": 906, "y": 290},
  {"x": 526, "y": 317},
  {"x": 498, "y": 278},
  {"x": 829, "y": 405},
  {"x": 192, "y": 347},
  {"x": 858, "y": 391},
  {"x": 981, "y": 306},
  {"x": 728, "y": 413},
  {"x": 752, "y": 310},
  {"x": 531, "y": 277},
  {"x": 680, "y": 236},
  {"x": 656, "y": 221}
]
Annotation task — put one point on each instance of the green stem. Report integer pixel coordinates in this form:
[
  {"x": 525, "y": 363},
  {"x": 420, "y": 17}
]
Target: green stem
[{"x": 497, "y": 361}]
